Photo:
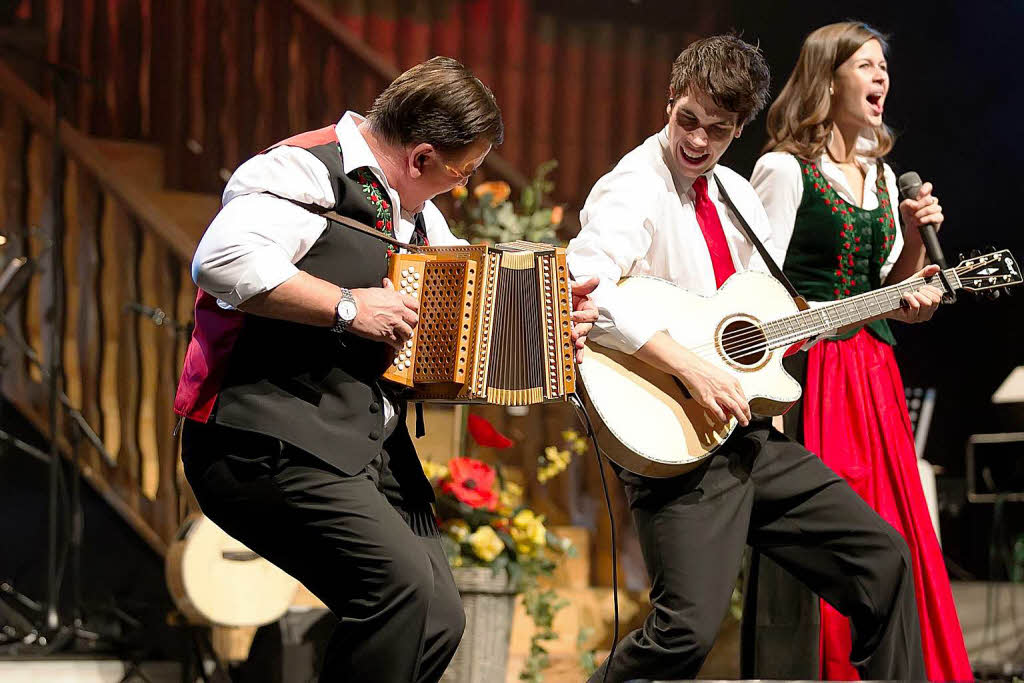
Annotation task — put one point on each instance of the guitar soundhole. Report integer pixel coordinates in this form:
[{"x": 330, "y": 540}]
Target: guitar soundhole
[{"x": 743, "y": 342}]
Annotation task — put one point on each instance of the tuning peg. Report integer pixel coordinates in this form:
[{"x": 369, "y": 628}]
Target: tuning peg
[
  {"x": 992, "y": 294},
  {"x": 974, "y": 253},
  {"x": 961, "y": 256},
  {"x": 1008, "y": 291}
]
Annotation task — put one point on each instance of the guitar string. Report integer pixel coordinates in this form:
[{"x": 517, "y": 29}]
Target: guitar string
[
  {"x": 758, "y": 339},
  {"x": 757, "y": 336},
  {"x": 757, "y": 332}
]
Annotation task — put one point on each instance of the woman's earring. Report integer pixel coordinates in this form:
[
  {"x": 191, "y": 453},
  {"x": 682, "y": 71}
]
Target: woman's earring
[{"x": 831, "y": 91}]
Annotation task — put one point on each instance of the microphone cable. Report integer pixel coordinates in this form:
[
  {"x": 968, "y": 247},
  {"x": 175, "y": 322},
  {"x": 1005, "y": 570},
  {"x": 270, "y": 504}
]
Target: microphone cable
[{"x": 584, "y": 417}]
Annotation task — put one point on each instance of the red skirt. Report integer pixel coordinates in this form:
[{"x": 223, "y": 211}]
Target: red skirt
[{"x": 855, "y": 417}]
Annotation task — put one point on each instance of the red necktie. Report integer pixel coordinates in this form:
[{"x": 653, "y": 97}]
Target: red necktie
[{"x": 714, "y": 235}]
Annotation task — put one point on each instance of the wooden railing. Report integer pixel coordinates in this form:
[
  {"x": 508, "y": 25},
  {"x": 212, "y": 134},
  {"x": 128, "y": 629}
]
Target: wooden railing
[
  {"x": 215, "y": 81},
  {"x": 119, "y": 370}
]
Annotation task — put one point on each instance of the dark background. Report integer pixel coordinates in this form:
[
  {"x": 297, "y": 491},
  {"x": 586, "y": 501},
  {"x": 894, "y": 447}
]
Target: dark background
[{"x": 955, "y": 103}]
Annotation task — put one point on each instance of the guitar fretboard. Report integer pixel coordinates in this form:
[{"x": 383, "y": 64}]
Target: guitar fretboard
[{"x": 832, "y": 316}]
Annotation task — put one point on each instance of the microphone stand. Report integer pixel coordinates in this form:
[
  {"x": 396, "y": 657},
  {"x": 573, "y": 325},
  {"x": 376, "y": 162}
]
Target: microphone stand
[{"x": 54, "y": 635}]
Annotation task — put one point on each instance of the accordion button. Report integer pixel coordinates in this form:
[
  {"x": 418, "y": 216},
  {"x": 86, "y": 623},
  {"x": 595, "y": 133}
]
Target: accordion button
[
  {"x": 407, "y": 363},
  {"x": 374, "y": 407},
  {"x": 415, "y": 285},
  {"x": 405, "y": 271},
  {"x": 415, "y": 276},
  {"x": 409, "y": 343},
  {"x": 404, "y": 282}
]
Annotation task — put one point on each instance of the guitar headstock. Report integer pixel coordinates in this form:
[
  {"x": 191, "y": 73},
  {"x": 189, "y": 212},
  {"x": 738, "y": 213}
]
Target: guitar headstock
[{"x": 992, "y": 273}]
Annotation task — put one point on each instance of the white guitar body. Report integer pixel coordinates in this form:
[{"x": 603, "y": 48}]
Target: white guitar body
[
  {"x": 214, "y": 579},
  {"x": 647, "y": 422}
]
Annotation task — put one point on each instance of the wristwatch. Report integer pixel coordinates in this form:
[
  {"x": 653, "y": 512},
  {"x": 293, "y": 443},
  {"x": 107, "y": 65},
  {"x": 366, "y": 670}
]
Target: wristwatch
[{"x": 345, "y": 312}]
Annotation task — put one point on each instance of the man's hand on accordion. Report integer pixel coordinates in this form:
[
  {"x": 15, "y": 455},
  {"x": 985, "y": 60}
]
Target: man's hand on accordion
[
  {"x": 384, "y": 314},
  {"x": 584, "y": 312}
]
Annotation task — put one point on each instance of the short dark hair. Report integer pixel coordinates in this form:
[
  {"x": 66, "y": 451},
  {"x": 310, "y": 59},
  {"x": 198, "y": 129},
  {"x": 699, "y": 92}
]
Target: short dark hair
[
  {"x": 730, "y": 71},
  {"x": 438, "y": 102}
]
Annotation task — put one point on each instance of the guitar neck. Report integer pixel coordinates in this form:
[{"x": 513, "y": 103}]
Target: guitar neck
[{"x": 856, "y": 309}]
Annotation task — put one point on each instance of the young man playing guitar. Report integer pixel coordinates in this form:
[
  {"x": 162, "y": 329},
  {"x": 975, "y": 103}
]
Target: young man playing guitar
[{"x": 660, "y": 213}]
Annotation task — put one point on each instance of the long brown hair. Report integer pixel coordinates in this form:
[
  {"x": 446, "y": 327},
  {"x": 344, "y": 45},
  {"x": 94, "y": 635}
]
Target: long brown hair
[{"x": 800, "y": 119}]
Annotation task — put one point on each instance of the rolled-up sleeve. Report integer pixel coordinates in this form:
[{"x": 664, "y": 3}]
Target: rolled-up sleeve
[
  {"x": 258, "y": 236},
  {"x": 616, "y": 233}
]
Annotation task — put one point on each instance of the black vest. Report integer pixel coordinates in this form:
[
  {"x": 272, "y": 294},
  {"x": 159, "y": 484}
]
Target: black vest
[{"x": 311, "y": 387}]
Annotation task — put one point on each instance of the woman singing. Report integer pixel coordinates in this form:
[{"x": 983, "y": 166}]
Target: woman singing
[{"x": 831, "y": 200}]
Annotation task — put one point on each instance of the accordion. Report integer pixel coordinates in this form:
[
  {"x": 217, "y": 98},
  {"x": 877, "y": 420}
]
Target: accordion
[{"x": 494, "y": 324}]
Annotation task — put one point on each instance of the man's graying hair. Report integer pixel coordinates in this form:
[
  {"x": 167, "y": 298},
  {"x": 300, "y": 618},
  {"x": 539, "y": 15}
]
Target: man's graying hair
[
  {"x": 730, "y": 71},
  {"x": 438, "y": 102}
]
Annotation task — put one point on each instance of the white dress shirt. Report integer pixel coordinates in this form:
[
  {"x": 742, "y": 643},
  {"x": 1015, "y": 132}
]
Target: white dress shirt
[
  {"x": 640, "y": 220},
  {"x": 256, "y": 239},
  {"x": 779, "y": 183}
]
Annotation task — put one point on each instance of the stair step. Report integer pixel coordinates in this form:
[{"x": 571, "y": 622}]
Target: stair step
[
  {"x": 140, "y": 161},
  {"x": 193, "y": 211},
  {"x": 589, "y": 608},
  {"x": 571, "y": 572},
  {"x": 562, "y": 668}
]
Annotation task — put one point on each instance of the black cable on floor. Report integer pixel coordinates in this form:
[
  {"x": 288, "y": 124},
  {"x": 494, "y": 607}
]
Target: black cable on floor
[{"x": 581, "y": 411}]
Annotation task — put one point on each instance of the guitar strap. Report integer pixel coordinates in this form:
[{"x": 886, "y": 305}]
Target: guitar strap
[{"x": 773, "y": 267}]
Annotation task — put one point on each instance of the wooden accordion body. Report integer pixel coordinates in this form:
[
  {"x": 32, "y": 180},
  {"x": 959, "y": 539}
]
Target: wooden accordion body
[{"x": 494, "y": 324}]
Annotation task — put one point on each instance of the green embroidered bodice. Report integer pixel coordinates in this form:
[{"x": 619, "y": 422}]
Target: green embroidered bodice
[{"x": 838, "y": 249}]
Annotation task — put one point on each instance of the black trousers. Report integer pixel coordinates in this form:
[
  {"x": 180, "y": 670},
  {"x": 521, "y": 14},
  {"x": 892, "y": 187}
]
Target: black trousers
[
  {"x": 373, "y": 559},
  {"x": 765, "y": 490}
]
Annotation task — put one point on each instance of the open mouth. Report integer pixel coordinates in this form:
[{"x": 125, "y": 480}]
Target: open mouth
[
  {"x": 875, "y": 102},
  {"x": 694, "y": 160}
]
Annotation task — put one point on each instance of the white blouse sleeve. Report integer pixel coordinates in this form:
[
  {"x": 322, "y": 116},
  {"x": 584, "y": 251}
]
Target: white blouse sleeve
[
  {"x": 776, "y": 179},
  {"x": 894, "y": 203}
]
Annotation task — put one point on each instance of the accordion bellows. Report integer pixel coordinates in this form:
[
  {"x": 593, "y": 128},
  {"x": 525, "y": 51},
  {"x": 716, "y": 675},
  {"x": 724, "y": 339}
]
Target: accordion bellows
[{"x": 494, "y": 324}]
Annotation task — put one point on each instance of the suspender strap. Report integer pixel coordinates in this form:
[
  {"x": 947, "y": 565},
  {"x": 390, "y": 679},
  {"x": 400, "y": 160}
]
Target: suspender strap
[
  {"x": 350, "y": 223},
  {"x": 773, "y": 267},
  {"x": 362, "y": 227}
]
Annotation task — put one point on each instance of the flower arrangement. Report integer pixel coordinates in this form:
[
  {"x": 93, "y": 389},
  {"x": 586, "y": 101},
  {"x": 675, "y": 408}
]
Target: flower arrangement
[
  {"x": 487, "y": 214},
  {"x": 485, "y": 523}
]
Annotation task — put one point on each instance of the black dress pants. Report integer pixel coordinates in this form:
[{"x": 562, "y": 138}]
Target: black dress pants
[
  {"x": 765, "y": 490},
  {"x": 373, "y": 559}
]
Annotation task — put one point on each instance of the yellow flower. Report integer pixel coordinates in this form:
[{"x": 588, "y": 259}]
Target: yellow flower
[
  {"x": 460, "y": 192},
  {"x": 456, "y": 561},
  {"x": 557, "y": 213},
  {"x": 528, "y": 532},
  {"x": 485, "y": 543},
  {"x": 457, "y": 529},
  {"x": 499, "y": 191},
  {"x": 434, "y": 471},
  {"x": 575, "y": 441},
  {"x": 511, "y": 495}
]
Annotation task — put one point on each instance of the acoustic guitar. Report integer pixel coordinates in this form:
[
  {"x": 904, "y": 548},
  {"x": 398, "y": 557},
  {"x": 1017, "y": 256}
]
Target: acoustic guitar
[
  {"x": 216, "y": 580},
  {"x": 646, "y": 420}
]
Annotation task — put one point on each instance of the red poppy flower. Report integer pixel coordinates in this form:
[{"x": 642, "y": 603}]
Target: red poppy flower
[
  {"x": 484, "y": 433},
  {"x": 471, "y": 482}
]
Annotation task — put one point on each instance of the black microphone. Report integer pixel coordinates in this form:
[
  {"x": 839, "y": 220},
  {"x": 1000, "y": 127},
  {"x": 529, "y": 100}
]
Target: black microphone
[{"x": 910, "y": 186}]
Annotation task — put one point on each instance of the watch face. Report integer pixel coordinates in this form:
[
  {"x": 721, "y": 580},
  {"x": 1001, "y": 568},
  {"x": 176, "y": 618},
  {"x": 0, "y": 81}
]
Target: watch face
[{"x": 347, "y": 310}]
